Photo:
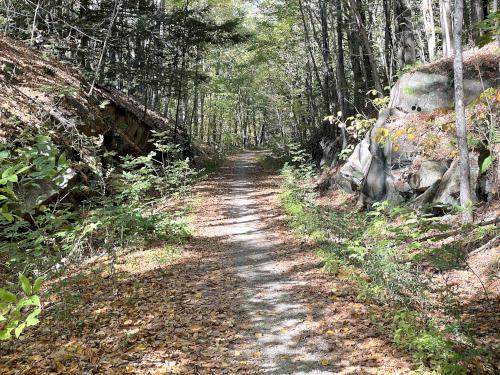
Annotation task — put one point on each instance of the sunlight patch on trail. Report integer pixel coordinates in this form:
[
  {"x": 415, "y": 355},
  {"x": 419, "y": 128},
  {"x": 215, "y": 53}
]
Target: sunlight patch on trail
[{"x": 282, "y": 344}]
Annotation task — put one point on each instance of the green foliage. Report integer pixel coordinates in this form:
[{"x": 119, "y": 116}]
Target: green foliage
[
  {"x": 382, "y": 254},
  {"x": 129, "y": 215},
  {"x": 17, "y": 314},
  {"x": 487, "y": 162},
  {"x": 34, "y": 235},
  {"x": 489, "y": 27},
  {"x": 27, "y": 172},
  {"x": 59, "y": 91},
  {"x": 425, "y": 342},
  {"x": 272, "y": 162},
  {"x": 299, "y": 175}
]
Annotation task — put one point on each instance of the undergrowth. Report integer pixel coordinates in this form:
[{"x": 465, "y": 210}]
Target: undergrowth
[
  {"x": 42, "y": 233},
  {"x": 382, "y": 255}
]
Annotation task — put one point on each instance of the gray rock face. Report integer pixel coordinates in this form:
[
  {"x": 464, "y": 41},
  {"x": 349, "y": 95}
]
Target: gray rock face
[
  {"x": 449, "y": 188},
  {"x": 427, "y": 174},
  {"x": 426, "y": 92},
  {"x": 492, "y": 183},
  {"x": 358, "y": 163},
  {"x": 396, "y": 169}
]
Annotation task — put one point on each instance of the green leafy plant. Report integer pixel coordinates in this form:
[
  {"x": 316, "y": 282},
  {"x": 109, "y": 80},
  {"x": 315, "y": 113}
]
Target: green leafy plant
[
  {"x": 16, "y": 314},
  {"x": 59, "y": 91}
]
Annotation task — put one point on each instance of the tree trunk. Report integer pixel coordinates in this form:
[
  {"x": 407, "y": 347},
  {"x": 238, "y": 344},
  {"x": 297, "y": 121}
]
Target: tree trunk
[
  {"x": 447, "y": 27},
  {"x": 366, "y": 43},
  {"x": 463, "y": 149},
  {"x": 388, "y": 43},
  {"x": 494, "y": 10},
  {"x": 476, "y": 8},
  {"x": 327, "y": 67},
  {"x": 342, "y": 88},
  {"x": 308, "y": 46},
  {"x": 430, "y": 30},
  {"x": 404, "y": 33},
  {"x": 358, "y": 94}
]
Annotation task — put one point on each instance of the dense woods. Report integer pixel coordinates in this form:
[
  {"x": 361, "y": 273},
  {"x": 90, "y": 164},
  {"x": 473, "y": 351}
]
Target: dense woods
[
  {"x": 136, "y": 237},
  {"x": 231, "y": 75}
]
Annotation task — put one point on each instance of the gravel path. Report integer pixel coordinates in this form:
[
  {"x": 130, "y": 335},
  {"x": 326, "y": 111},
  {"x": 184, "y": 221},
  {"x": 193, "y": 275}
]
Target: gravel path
[
  {"x": 278, "y": 318},
  {"x": 292, "y": 317}
]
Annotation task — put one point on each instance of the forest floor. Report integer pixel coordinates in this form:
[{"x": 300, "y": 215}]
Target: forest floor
[{"x": 244, "y": 296}]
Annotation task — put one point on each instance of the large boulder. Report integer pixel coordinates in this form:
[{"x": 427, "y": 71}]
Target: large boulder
[
  {"x": 410, "y": 154},
  {"x": 448, "y": 191},
  {"x": 427, "y": 174},
  {"x": 424, "y": 92},
  {"x": 357, "y": 165}
]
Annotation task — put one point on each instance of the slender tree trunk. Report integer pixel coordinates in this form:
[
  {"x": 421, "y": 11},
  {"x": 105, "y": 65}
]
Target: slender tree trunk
[
  {"x": 430, "y": 29},
  {"x": 463, "y": 149},
  {"x": 342, "y": 88},
  {"x": 388, "y": 43},
  {"x": 116, "y": 10},
  {"x": 327, "y": 68},
  {"x": 495, "y": 9},
  {"x": 404, "y": 34},
  {"x": 33, "y": 27},
  {"x": 308, "y": 46},
  {"x": 476, "y": 8},
  {"x": 467, "y": 21},
  {"x": 366, "y": 43},
  {"x": 447, "y": 27},
  {"x": 358, "y": 94}
]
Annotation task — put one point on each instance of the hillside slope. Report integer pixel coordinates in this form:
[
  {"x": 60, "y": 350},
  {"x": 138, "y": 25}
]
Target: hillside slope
[{"x": 39, "y": 94}]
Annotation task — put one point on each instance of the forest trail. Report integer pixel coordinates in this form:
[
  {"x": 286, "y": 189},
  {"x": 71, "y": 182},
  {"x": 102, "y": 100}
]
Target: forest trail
[
  {"x": 242, "y": 296},
  {"x": 294, "y": 318}
]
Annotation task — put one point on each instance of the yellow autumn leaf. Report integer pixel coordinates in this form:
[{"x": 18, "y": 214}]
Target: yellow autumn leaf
[
  {"x": 325, "y": 362},
  {"x": 330, "y": 332},
  {"x": 256, "y": 354},
  {"x": 384, "y": 132},
  {"x": 198, "y": 295}
]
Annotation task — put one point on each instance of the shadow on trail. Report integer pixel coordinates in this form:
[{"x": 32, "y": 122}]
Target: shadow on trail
[{"x": 290, "y": 315}]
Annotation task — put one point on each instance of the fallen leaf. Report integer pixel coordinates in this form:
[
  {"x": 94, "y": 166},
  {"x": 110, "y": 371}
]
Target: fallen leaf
[
  {"x": 256, "y": 354},
  {"x": 196, "y": 328}
]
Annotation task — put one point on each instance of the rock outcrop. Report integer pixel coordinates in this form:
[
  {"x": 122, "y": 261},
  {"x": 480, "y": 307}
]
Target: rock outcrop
[{"x": 410, "y": 154}]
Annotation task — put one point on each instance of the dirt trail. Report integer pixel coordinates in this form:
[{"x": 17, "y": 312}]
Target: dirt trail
[
  {"x": 298, "y": 319},
  {"x": 243, "y": 297}
]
